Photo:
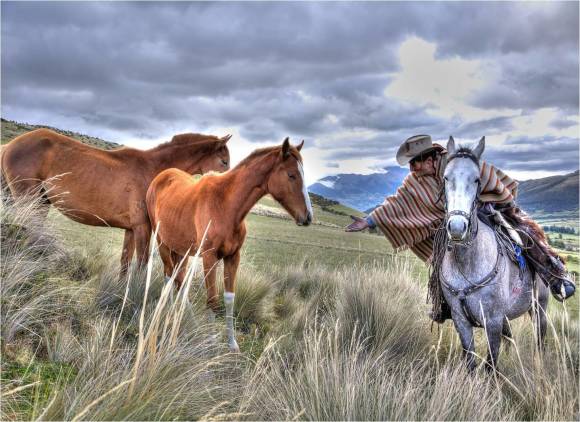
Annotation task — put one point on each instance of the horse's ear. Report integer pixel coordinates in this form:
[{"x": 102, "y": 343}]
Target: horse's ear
[
  {"x": 478, "y": 151},
  {"x": 451, "y": 146},
  {"x": 286, "y": 148},
  {"x": 224, "y": 139},
  {"x": 300, "y": 145}
]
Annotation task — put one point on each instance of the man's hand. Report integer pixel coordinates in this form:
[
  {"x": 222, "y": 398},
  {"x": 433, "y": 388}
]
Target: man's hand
[{"x": 358, "y": 224}]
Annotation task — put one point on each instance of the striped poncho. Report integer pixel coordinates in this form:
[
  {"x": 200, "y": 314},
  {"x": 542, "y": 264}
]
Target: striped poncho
[{"x": 410, "y": 217}]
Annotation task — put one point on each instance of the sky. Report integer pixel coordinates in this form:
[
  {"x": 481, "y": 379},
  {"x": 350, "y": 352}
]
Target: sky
[{"x": 354, "y": 80}]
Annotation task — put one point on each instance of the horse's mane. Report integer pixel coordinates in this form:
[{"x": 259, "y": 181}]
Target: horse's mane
[
  {"x": 189, "y": 139},
  {"x": 265, "y": 151}
]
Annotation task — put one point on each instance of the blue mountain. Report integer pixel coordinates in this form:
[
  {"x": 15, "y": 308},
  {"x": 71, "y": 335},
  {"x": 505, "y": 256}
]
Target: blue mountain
[{"x": 360, "y": 191}]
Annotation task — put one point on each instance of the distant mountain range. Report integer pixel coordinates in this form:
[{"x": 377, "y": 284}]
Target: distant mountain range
[
  {"x": 360, "y": 191},
  {"x": 364, "y": 192}
]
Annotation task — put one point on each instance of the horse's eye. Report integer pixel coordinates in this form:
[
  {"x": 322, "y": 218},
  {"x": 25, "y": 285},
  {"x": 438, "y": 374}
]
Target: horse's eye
[
  {"x": 291, "y": 176},
  {"x": 476, "y": 181}
]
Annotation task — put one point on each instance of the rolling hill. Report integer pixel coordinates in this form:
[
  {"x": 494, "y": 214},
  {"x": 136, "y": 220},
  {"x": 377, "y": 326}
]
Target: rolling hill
[
  {"x": 11, "y": 130},
  {"x": 550, "y": 194}
]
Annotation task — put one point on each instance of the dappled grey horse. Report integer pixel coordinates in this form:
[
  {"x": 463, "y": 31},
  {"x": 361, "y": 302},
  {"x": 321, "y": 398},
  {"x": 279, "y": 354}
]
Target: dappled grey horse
[{"x": 480, "y": 282}]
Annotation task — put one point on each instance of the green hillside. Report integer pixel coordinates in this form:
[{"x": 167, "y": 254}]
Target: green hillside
[
  {"x": 11, "y": 130},
  {"x": 550, "y": 195}
]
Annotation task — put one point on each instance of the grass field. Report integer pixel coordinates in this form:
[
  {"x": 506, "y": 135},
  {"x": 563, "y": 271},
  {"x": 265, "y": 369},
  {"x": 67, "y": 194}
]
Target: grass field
[
  {"x": 331, "y": 326},
  {"x": 276, "y": 241}
]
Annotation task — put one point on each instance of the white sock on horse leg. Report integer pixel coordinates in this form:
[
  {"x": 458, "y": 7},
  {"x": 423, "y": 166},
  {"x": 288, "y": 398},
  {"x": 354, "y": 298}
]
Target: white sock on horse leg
[{"x": 229, "y": 302}]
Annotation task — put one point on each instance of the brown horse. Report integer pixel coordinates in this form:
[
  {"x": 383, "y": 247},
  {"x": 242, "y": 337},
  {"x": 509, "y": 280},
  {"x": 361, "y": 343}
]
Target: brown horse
[
  {"x": 182, "y": 209},
  {"x": 104, "y": 188}
]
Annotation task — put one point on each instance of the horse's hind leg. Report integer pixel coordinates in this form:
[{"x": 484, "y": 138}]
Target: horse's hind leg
[
  {"x": 172, "y": 261},
  {"x": 142, "y": 236},
  {"x": 506, "y": 332},
  {"x": 127, "y": 253},
  {"x": 493, "y": 331},
  {"x": 538, "y": 313}
]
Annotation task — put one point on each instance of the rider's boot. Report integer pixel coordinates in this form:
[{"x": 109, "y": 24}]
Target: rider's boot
[{"x": 556, "y": 276}]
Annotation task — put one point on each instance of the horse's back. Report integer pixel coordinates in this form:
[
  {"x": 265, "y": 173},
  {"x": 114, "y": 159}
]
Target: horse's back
[
  {"x": 43, "y": 153},
  {"x": 171, "y": 207},
  {"x": 168, "y": 190}
]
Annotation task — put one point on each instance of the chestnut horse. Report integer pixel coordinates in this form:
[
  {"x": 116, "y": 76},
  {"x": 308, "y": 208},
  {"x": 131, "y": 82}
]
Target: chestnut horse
[
  {"x": 104, "y": 188},
  {"x": 182, "y": 209}
]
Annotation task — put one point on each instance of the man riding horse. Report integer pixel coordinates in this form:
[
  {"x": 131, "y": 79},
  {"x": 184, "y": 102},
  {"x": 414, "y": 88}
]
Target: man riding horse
[{"x": 410, "y": 217}]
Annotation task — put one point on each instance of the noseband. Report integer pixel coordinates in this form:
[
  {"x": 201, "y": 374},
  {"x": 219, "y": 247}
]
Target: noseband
[{"x": 471, "y": 217}]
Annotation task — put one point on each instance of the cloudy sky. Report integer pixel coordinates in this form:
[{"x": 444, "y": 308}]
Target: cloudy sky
[{"x": 352, "y": 79}]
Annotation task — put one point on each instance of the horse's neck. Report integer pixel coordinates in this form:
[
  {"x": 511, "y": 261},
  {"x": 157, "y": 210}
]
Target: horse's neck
[
  {"x": 480, "y": 256},
  {"x": 184, "y": 157},
  {"x": 245, "y": 187}
]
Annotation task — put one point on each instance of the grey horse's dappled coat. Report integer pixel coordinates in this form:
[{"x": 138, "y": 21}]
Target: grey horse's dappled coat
[{"x": 410, "y": 217}]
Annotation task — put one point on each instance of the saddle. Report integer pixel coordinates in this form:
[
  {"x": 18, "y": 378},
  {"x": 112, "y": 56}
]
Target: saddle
[{"x": 529, "y": 245}]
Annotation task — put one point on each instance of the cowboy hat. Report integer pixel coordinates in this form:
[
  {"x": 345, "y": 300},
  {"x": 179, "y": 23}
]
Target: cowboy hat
[{"x": 413, "y": 147}]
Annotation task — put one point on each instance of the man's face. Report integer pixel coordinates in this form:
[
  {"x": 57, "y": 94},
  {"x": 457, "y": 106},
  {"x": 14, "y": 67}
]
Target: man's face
[{"x": 423, "y": 168}]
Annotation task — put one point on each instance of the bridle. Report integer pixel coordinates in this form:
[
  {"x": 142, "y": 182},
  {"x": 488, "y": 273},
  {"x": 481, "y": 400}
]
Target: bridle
[{"x": 471, "y": 217}]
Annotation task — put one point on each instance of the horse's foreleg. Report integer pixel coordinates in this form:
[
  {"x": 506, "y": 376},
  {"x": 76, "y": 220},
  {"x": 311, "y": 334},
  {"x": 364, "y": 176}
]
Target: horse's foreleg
[
  {"x": 493, "y": 331},
  {"x": 231, "y": 264},
  {"x": 142, "y": 235},
  {"x": 465, "y": 331},
  {"x": 127, "y": 253}
]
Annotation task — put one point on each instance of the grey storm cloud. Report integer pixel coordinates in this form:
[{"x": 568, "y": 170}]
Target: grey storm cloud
[
  {"x": 274, "y": 69},
  {"x": 483, "y": 127},
  {"x": 558, "y": 154}
]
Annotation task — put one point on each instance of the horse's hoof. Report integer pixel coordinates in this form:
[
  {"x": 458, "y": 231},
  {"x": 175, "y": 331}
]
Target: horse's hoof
[{"x": 234, "y": 348}]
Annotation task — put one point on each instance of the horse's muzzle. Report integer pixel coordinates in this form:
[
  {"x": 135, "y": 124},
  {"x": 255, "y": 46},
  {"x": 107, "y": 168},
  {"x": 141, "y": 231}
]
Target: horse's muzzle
[
  {"x": 305, "y": 221},
  {"x": 457, "y": 228}
]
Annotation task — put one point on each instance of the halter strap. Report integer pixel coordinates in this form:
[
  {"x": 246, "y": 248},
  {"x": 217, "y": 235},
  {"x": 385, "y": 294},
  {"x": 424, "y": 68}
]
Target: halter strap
[{"x": 464, "y": 154}]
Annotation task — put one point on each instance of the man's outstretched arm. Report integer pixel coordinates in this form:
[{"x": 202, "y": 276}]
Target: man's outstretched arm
[{"x": 360, "y": 224}]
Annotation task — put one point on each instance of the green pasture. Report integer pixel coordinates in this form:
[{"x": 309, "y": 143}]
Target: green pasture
[{"x": 275, "y": 241}]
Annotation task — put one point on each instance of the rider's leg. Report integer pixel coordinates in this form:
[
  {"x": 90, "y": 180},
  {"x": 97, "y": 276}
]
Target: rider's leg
[{"x": 545, "y": 260}]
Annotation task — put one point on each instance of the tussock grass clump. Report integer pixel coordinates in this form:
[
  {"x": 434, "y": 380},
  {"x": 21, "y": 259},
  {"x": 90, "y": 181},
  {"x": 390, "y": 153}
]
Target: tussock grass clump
[
  {"x": 34, "y": 265},
  {"x": 329, "y": 379},
  {"x": 372, "y": 356},
  {"x": 116, "y": 349}
]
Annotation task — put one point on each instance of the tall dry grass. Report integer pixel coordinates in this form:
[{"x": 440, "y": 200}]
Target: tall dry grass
[
  {"x": 371, "y": 356},
  {"x": 129, "y": 349},
  {"x": 317, "y": 344}
]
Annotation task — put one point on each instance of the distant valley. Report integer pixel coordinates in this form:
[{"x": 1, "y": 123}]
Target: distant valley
[{"x": 548, "y": 195}]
